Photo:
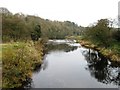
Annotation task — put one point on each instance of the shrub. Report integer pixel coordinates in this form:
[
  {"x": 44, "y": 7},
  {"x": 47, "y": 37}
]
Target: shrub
[{"x": 19, "y": 60}]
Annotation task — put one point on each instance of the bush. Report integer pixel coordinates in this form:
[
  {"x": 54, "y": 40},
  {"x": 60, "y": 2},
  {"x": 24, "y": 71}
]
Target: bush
[{"x": 19, "y": 60}]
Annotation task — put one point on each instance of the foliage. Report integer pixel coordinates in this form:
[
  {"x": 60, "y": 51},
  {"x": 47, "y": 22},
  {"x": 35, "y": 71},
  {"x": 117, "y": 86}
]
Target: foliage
[
  {"x": 116, "y": 35},
  {"x": 36, "y": 34},
  {"x": 99, "y": 33},
  {"x": 104, "y": 36},
  {"x": 19, "y": 27},
  {"x": 102, "y": 33},
  {"x": 19, "y": 59}
]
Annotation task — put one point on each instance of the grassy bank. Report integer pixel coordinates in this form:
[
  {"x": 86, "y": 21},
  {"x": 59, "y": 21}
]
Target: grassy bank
[
  {"x": 113, "y": 52},
  {"x": 18, "y": 61}
]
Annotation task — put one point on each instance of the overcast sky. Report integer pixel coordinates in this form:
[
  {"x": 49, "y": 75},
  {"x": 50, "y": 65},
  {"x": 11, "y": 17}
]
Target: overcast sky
[{"x": 82, "y": 12}]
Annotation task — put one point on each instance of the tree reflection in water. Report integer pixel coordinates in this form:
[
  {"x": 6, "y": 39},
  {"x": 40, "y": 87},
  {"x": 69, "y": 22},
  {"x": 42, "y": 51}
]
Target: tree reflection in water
[
  {"x": 60, "y": 47},
  {"x": 101, "y": 68},
  {"x": 53, "y": 47}
]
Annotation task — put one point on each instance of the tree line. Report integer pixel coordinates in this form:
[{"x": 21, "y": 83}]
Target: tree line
[
  {"x": 25, "y": 27},
  {"x": 22, "y": 27},
  {"x": 103, "y": 34}
]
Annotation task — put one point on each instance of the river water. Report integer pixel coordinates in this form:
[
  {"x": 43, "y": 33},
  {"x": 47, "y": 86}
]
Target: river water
[{"x": 67, "y": 64}]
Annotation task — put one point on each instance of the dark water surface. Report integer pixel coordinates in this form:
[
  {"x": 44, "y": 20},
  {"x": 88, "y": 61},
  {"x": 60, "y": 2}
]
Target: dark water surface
[{"x": 68, "y": 65}]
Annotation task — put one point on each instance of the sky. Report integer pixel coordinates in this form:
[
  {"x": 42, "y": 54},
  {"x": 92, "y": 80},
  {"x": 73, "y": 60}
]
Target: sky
[{"x": 82, "y": 12}]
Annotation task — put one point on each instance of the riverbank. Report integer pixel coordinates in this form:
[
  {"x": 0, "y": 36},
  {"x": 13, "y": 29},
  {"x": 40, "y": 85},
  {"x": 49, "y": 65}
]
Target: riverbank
[
  {"x": 107, "y": 52},
  {"x": 19, "y": 59},
  {"x": 68, "y": 65}
]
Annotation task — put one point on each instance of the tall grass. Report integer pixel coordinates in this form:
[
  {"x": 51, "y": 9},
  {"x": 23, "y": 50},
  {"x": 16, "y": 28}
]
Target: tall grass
[{"x": 19, "y": 59}]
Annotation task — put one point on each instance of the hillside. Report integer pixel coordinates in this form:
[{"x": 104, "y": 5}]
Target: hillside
[{"x": 19, "y": 27}]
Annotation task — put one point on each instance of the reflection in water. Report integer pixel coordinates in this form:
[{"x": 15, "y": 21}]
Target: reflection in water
[
  {"x": 101, "y": 69},
  {"x": 60, "y": 47},
  {"x": 45, "y": 64},
  {"x": 54, "y": 47},
  {"x": 67, "y": 69}
]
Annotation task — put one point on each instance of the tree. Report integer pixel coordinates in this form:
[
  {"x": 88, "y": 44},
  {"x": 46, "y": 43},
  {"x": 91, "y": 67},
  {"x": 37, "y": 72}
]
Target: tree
[
  {"x": 99, "y": 33},
  {"x": 37, "y": 33},
  {"x": 102, "y": 31},
  {"x": 21, "y": 27}
]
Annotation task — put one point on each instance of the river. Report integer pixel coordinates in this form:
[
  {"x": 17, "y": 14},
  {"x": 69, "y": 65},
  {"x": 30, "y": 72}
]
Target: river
[{"x": 67, "y": 64}]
